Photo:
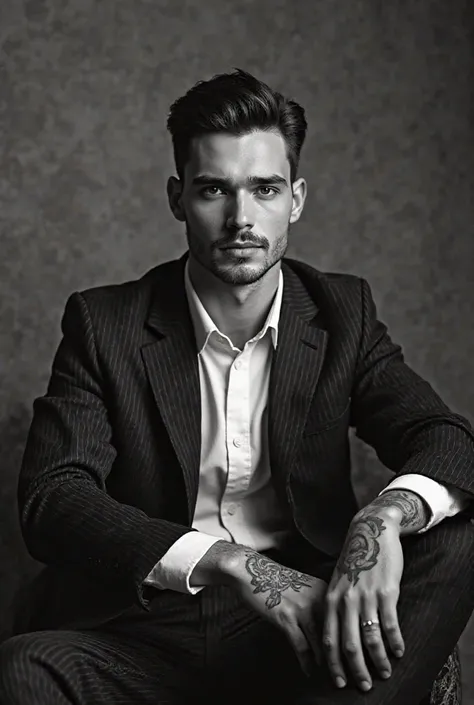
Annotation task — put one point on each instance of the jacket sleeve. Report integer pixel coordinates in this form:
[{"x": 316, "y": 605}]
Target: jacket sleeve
[
  {"x": 401, "y": 416},
  {"x": 67, "y": 518}
]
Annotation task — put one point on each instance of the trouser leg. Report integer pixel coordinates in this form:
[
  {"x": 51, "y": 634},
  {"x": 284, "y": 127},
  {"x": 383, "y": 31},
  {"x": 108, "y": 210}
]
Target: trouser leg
[{"x": 140, "y": 660}]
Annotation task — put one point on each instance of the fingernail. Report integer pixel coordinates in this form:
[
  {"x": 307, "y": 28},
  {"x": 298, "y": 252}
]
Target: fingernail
[
  {"x": 399, "y": 653},
  {"x": 365, "y": 685},
  {"x": 340, "y": 682},
  {"x": 386, "y": 674}
]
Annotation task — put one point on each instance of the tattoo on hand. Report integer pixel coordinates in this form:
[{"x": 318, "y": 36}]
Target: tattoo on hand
[
  {"x": 362, "y": 548},
  {"x": 268, "y": 576},
  {"x": 412, "y": 507}
]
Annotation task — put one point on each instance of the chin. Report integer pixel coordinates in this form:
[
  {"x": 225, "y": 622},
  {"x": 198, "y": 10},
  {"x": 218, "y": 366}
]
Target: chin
[{"x": 239, "y": 274}]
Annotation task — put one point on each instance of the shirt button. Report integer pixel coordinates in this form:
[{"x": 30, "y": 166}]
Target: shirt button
[
  {"x": 237, "y": 442},
  {"x": 237, "y": 365},
  {"x": 231, "y": 509}
]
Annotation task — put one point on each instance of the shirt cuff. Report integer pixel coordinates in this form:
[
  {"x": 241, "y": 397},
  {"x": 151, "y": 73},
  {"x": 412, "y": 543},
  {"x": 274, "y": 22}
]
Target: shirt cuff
[
  {"x": 442, "y": 501},
  {"x": 174, "y": 569}
]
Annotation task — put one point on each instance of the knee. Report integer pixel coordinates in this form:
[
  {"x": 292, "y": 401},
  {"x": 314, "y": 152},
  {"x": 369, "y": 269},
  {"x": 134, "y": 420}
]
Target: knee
[
  {"x": 19, "y": 656},
  {"x": 15, "y": 650},
  {"x": 13, "y": 667}
]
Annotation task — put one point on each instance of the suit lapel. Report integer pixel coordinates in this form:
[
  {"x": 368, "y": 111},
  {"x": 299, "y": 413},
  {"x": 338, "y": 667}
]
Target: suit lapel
[
  {"x": 172, "y": 367},
  {"x": 295, "y": 371}
]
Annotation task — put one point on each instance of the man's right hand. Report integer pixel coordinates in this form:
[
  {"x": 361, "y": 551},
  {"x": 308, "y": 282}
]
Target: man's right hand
[{"x": 291, "y": 600}]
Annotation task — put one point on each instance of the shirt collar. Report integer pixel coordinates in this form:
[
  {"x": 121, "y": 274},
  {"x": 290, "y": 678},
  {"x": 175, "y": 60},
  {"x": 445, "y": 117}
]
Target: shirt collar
[{"x": 204, "y": 326}]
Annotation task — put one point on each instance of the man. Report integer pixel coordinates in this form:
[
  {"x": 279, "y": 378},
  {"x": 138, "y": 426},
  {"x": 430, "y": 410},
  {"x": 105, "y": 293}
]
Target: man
[{"x": 187, "y": 479}]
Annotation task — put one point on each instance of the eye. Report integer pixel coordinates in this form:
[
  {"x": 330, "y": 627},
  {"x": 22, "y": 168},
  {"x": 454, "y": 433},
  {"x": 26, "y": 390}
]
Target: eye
[
  {"x": 210, "y": 191},
  {"x": 266, "y": 191}
]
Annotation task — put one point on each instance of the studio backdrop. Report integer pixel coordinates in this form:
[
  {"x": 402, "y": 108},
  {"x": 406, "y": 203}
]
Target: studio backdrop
[{"x": 85, "y": 87}]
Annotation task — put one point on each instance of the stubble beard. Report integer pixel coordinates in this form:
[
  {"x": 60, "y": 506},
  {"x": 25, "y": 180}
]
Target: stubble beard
[{"x": 241, "y": 273}]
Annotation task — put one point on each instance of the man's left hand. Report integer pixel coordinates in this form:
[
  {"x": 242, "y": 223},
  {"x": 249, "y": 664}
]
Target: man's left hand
[{"x": 361, "y": 601}]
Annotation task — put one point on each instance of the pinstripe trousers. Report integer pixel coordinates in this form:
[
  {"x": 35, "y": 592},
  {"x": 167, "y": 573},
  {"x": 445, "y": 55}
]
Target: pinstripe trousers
[{"x": 210, "y": 648}]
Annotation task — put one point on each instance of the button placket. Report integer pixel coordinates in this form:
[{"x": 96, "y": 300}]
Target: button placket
[{"x": 238, "y": 440}]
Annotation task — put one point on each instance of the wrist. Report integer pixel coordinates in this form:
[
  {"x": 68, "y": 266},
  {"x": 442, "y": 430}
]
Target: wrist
[
  {"x": 402, "y": 510},
  {"x": 218, "y": 566},
  {"x": 391, "y": 516}
]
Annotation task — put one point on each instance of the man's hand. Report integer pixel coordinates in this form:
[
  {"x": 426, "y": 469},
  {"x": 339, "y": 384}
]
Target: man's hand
[
  {"x": 361, "y": 601},
  {"x": 292, "y": 601}
]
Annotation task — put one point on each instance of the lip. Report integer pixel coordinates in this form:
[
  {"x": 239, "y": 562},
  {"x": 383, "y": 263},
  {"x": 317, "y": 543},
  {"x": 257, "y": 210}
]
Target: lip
[{"x": 243, "y": 246}]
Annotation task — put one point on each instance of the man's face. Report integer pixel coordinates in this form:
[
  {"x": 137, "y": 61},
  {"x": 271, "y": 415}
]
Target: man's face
[{"x": 237, "y": 202}]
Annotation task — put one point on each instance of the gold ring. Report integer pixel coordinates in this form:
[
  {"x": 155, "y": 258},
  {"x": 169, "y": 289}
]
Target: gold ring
[{"x": 369, "y": 623}]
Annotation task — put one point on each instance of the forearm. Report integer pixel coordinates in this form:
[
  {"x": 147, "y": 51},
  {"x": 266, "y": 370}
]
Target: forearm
[
  {"x": 69, "y": 525},
  {"x": 407, "y": 510}
]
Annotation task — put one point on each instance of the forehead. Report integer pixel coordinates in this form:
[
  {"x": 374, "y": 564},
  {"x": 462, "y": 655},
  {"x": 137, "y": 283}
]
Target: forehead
[{"x": 238, "y": 156}]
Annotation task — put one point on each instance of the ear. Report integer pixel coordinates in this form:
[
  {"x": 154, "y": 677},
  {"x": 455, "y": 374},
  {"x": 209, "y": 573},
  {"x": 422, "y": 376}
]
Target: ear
[
  {"x": 174, "y": 189},
  {"x": 299, "y": 198}
]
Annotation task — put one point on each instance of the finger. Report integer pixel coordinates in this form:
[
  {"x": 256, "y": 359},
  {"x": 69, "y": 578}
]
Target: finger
[
  {"x": 371, "y": 634},
  {"x": 301, "y": 647},
  {"x": 330, "y": 641},
  {"x": 390, "y": 624},
  {"x": 313, "y": 637},
  {"x": 352, "y": 643}
]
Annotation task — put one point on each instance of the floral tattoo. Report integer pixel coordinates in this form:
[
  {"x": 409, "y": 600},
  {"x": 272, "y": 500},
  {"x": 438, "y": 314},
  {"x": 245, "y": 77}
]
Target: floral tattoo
[
  {"x": 268, "y": 576},
  {"x": 362, "y": 547}
]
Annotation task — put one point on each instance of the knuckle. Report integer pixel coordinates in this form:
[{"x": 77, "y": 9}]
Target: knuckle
[
  {"x": 328, "y": 643},
  {"x": 349, "y": 598},
  {"x": 389, "y": 591},
  {"x": 334, "y": 666},
  {"x": 350, "y": 647},
  {"x": 391, "y": 627},
  {"x": 331, "y": 598}
]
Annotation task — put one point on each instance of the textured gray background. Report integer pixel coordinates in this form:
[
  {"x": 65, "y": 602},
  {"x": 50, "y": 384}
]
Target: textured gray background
[{"x": 84, "y": 91}]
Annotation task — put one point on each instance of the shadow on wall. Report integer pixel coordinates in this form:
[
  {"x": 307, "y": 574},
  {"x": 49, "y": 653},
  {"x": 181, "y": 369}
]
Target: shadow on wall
[{"x": 16, "y": 566}]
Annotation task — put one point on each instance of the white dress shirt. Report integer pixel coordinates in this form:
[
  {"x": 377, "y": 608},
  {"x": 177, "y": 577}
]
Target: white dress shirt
[{"x": 236, "y": 500}]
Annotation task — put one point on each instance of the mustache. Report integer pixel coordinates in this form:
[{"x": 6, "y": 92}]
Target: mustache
[{"x": 246, "y": 237}]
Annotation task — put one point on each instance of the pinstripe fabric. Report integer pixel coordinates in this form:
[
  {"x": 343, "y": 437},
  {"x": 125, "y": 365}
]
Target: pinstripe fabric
[
  {"x": 111, "y": 467},
  {"x": 122, "y": 414},
  {"x": 210, "y": 649}
]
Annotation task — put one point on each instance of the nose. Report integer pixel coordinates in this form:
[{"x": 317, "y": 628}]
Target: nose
[{"x": 240, "y": 213}]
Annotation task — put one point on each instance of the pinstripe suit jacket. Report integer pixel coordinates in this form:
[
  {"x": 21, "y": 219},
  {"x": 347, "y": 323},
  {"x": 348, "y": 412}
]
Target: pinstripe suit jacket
[{"x": 111, "y": 467}]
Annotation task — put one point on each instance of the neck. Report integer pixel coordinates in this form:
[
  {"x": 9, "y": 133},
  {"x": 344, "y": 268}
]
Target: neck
[{"x": 238, "y": 311}]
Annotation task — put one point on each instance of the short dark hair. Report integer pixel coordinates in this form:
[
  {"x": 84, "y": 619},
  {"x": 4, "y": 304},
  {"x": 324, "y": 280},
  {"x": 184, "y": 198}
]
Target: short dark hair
[{"x": 237, "y": 103}]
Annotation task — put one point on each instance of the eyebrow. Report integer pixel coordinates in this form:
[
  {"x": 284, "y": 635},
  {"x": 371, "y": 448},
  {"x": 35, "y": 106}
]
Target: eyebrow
[{"x": 208, "y": 179}]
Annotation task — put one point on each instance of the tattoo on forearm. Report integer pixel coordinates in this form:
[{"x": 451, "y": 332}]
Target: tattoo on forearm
[
  {"x": 268, "y": 576},
  {"x": 362, "y": 548},
  {"x": 412, "y": 507}
]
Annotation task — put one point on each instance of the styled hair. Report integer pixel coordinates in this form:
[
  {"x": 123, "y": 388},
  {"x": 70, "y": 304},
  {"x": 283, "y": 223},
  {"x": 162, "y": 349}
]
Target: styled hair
[{"x": 237, "y": 103}]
